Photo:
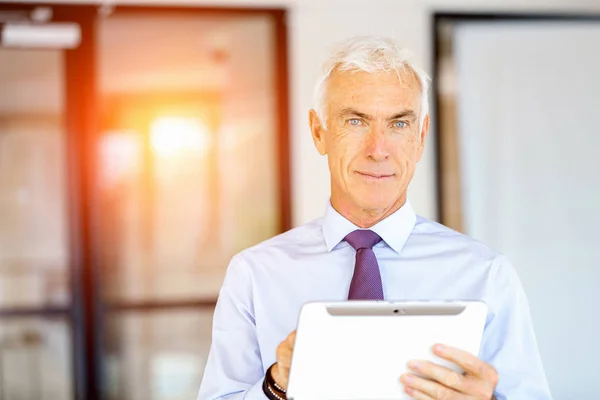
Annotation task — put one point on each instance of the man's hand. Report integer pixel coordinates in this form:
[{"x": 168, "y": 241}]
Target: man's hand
[
  {"x": 478, "y": 382},
  {"x": 281, "y": 369}
]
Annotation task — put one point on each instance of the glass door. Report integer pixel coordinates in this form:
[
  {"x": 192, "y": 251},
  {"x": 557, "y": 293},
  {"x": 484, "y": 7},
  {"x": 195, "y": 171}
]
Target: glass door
[
  {"x": 41, "y": 128},
  {"x": 189, "y": 175},
  {"x": 140, "y": 149},
  {"x": 35, "y": 297}
]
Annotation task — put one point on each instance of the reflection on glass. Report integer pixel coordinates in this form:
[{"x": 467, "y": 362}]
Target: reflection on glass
[
  {"x": 33, "y": 203},
  {"x": 158, "y": 356},
  {"x": 35, "y": 359},
  {"x": 171, "y": 136},
  {"x": 188, "y": 161}
]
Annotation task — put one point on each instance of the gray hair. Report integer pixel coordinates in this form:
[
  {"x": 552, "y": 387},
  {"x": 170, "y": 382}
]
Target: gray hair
[{"x": 370, "y": 54}]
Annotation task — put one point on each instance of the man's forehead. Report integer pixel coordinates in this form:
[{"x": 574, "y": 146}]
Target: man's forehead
[
  {"x": 348, "y": 89},
  {"x": 404, "y": 79}
]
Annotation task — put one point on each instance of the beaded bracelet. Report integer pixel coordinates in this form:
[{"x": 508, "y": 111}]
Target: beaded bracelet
[
  {"x": 282, "y": 390},
  {"x": 271, "y": 389},
  {"x": 270, "y": 393}
]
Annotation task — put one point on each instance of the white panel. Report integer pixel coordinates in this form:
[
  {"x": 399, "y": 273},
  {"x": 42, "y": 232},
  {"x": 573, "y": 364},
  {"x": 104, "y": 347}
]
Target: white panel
[
  {"x": 333, "y": 359},
  {"x": 528, "y": 99}
]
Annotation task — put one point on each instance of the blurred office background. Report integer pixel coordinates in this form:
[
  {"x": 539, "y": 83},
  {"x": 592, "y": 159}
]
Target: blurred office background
[{"x": 142, "y": 144}]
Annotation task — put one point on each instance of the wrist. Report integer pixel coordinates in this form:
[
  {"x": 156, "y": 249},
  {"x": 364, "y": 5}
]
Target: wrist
[
  {"x": 271, "y": 388},
  {"x": 276, "y": 378}
]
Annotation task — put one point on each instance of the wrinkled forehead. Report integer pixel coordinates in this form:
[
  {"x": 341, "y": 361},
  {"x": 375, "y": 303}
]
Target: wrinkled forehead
[{"x": 376, "y": 92}]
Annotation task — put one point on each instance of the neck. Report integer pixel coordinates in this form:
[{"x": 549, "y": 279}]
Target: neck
[{"x": 365, "y": 218}]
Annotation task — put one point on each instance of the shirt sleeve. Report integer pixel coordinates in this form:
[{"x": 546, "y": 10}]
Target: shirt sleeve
[
  {"x": 509, "y": 342},
  {"x": 234, "y": 368}
]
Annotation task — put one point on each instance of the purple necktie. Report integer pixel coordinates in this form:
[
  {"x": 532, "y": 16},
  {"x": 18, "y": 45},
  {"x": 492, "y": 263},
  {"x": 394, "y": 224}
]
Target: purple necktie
[{"x": 366, "y": 282}]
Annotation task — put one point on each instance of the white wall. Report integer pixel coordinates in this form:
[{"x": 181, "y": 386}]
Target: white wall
[
  {"x": 529, "y": 160},
  {"x": 314, "y": 25}
]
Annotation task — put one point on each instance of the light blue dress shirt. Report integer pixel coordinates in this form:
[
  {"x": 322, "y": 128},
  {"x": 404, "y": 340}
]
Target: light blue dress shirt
[{"x": 266, "y": 286}]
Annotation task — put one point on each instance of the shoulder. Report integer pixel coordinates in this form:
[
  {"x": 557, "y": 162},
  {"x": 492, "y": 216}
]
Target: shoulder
[
  {"x": 431, "y": 236},
  {"x": 432, "y": 233},
  {"x": 434, "y": 239},
  {"x": 301, "y": 239}
]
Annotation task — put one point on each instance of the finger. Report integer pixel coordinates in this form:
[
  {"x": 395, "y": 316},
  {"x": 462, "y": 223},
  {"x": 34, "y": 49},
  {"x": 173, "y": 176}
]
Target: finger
[
  {"x": 432, "y": 389},
  {"x": 415, "y": 394},
  {"x": 284, "y": 357},
  {"x": 467, "y": 361},
  {"x": 287, "y": 345},
  {"x": 291, "y": 339},
  {"x": 440, "y": 374}
]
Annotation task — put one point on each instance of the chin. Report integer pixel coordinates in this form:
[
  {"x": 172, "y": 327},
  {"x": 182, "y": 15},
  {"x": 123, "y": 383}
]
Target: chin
[{"x": 376, "y": 201}]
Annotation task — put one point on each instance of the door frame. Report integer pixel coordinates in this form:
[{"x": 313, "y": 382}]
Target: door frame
[
  {"x": 80, "y": 93},
  {"x": 448, "y": 179}
]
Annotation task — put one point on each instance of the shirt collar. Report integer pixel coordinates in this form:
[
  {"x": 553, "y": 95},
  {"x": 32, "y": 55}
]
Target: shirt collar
[{"x": 394, "y": 229}]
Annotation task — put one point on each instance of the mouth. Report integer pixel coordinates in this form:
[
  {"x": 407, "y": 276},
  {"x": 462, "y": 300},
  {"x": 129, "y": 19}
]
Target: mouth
[{"x": 375, "y": 176}]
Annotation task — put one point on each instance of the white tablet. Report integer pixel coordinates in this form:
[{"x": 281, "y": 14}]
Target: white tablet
[{"x": 359, "y": 349}]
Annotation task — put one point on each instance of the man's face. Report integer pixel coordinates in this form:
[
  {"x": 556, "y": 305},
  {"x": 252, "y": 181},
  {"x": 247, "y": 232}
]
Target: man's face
[{"x": 373, "y": 139}]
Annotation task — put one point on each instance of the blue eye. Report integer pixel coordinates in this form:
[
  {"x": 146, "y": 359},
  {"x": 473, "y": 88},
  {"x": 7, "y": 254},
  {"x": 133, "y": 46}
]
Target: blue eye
[
  {"x": 354, "y": 121},
  {"x": 399, "y": 124}
]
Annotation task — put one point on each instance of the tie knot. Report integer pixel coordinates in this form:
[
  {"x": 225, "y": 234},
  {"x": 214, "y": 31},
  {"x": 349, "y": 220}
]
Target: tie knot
[{"x": 362, "y": 239}]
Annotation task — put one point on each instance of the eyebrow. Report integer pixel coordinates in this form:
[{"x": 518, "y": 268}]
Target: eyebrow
[
  {"x": 403, "y": 114},
  {"x": 351, "y": 111}
]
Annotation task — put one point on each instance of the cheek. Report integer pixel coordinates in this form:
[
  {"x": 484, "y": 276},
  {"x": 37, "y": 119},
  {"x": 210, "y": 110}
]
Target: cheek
[
  {"x": 344, "y": 149},
  {"x": 406, "y": 148}
]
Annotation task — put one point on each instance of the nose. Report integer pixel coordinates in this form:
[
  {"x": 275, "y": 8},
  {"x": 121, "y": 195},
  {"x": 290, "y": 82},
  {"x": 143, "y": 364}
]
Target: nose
[{"x": 376, "y": 144}]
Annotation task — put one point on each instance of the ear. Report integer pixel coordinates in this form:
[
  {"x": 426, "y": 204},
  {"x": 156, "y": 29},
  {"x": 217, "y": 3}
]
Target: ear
[
  {"x": 318, "y": 132},
  {"x": 423, "y": 136}
]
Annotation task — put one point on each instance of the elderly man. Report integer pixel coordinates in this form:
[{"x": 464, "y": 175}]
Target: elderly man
[{"x": 371, "y": 121}]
